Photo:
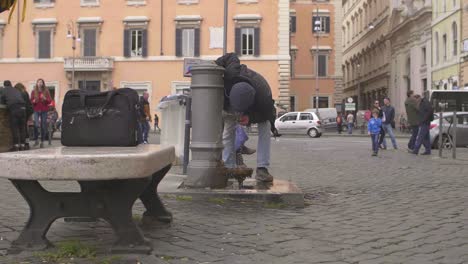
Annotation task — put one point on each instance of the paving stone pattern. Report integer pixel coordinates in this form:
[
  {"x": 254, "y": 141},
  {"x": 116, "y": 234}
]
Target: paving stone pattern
[{"x": 396, "y": 208}]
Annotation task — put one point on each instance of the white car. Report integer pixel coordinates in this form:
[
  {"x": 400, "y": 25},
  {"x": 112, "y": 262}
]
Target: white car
[{"x": 301, "y": 123}]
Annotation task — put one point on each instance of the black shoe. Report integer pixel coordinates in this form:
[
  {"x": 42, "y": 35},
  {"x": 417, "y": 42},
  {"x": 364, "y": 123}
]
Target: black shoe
[
  {"x": 247, "y": 151},
  {"x": 382, "y": 147},
  {"x": 26, "y": 146},
  {"x": 41, "y": 145},
  {"x": 426, "y": 153},
  {"x": 14, "y": 149},
  {"x": 263, "y": 175}
]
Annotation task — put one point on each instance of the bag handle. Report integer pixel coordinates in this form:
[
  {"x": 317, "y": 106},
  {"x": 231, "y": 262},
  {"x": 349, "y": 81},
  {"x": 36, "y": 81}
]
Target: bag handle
[{"x": 96, "y": 112}]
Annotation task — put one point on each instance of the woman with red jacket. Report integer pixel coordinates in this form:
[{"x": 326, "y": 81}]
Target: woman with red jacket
[{"x": 40, "y": 99}]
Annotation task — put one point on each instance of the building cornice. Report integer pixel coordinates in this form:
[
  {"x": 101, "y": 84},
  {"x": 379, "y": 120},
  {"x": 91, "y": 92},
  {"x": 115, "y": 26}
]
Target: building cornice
[
  {"x": 419, "y": 15},
  {"x": 441, "y": 19}
]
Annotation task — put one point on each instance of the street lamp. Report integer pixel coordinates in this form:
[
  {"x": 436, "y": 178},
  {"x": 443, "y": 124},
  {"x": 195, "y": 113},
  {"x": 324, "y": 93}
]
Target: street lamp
[
  {"x": 74, "y": 34},
  {"x": 317, "y": 29}
]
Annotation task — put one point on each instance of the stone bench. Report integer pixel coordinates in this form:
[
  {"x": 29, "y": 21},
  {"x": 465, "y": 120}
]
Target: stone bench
[{"x": 111, "y": 180}]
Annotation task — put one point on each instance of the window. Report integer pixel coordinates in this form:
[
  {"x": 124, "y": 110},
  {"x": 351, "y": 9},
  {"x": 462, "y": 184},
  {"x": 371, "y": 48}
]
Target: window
[
  {"x": 423, "y": 56},
  {"x": 444, "y": 46},
  {"x": 324, "y": 24},
  {"x": 90, "y": 85},
  {"x": 306, "y": 116},
  {"x": 136, "y": 2},
  {"x": 89, "y": 2},
  {"x": 289, "y": 117},
  {"x": 247, "y": 41},
  {"x": 2, "y": 27},
  {"x": 323, "y": 102},
  {"x": 136, "y": 49},
  {"x": 44, "y": 44},
  {"x": 44, "y": 3},
  {"x": 322, "y": 65},
  {"x": 135, "y": 36},
  {"x": 188, "y": 42},
  {"x": 89, "y": 42},
  {"x": 292, "y": 24},
  {"x": 455, "y": 39}
]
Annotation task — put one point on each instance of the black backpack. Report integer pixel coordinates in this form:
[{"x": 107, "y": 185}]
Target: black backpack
[{"x": 100, "y": 119}]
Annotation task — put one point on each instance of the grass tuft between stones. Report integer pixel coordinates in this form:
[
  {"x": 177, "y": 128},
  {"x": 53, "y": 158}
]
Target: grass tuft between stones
[
  {"x": 217, "y": 200},
  {"x": 68, "y": 250},
  {"x": 185, "y": 198},
  {"x": 275, "y": 205}
]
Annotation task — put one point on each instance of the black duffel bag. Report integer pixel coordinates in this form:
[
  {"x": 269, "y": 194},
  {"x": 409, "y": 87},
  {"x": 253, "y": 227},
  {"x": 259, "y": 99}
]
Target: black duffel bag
[{"x": 100, "y": 119}]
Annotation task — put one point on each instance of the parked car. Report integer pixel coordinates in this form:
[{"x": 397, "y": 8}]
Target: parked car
[
  {"x": 448, "y": 131},
  {"x": 327, "y": 117},
  {"x": 301, "y": 123}
]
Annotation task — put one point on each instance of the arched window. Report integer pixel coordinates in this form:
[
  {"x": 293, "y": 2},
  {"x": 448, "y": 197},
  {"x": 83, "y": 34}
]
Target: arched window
[{"x": 455, "y": 38}]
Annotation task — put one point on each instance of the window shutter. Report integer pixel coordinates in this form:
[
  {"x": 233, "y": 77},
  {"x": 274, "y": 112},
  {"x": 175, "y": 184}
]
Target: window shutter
[
  {"x": 293, "y": 24},
  {"x": 126, "y": 44},
  {"x": 44, "y": 44},
  {"x": 144, "y": 44},
  {"x": 178, "y": 42},
  {"x": 327, "y": 24},
  {"x": 196, "y": 51},
  {"x": 322, "y": 61},
  {"x": 237, "y": 41},
  {"x": 89, "y": 42},
  {"x": 257, "y": 42}
]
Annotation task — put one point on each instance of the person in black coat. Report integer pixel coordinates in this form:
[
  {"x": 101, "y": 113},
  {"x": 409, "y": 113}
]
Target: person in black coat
[
  {"x": 426, "y": 115},
  {"x": 247, "y": 98},
  {"x": 15, "y": 103},
  {"x": 29, "y": 110}
]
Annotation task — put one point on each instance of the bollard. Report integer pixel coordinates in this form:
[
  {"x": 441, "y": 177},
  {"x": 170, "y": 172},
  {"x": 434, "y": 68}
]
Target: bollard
[{"x": 207, "y": 89}]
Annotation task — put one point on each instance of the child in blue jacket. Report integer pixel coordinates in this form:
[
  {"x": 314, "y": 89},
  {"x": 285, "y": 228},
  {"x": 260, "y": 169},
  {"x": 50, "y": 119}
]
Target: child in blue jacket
[{"x": 373, "y": 128}]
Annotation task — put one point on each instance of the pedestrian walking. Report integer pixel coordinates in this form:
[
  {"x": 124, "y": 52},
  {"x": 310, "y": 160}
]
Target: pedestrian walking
[
  {"x": 382, "y": 132},
  {"x": 16, "y": 106},
  {"x": 156, "y": 123},
  {"x": 373, "y": 129},
  {"x": 145, "y": 118},
  {"x": 248, "y": 100},
  {"x": 52, "y": 117},
  {"x": 339, "y": 123},
  {"x": 388, "y": 122},
  {"x": 350, "y": 120},
  {"x": 412, "y": 112},
  {"x": 426, "y": 115},
  {"x": 29, "y": 111},
  {"x": 40, "y": 99}
]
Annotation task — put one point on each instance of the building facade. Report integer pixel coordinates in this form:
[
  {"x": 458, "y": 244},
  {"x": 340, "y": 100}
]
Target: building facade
[
  {"x": 446, "y": 28},
  {"x": 410, "y": 39},
  {"x": 314, "y": 54},
  {"x": 141, "y": 44},
  {"x": 464, "y": 46},
  {"x": 366, "y": 50}
]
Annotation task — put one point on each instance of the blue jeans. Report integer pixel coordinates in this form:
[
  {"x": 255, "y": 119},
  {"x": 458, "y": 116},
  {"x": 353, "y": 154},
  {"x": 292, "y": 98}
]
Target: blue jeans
[
  {"x": 388, "y": 130},
  {"x": 40, "y": 124},
  {"x": 423, "y": 138},
  {"x": 229, "y": 136},
  {"x": 145, "y": 128},
  {"x": 375, "y": 142},
  {"x": 414, "y": 135},
  {"x": 350, "y": 128}
]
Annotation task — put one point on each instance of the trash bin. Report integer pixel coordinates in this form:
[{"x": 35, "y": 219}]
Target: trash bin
[
  {"x": 5, "y": 132},
  {"x": 172, "y": 123}
]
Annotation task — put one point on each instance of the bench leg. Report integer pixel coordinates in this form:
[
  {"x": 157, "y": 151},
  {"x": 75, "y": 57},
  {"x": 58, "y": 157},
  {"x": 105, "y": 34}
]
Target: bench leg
[
  {"x": 155, "y": 209},
  {"x": 40, "y": 219},
  {"x": 109, "y": 200}
]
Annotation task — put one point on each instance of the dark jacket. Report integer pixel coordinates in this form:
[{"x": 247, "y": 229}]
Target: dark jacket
[
  {"x": 426, "y": 112},
  {"x": 263, "y": 108},
  {"x": 29, "y": 107},
  {"x": 412, "y": 111},
  {"x": 11, "y": 97},
  {"x": 389, "y": 114}
]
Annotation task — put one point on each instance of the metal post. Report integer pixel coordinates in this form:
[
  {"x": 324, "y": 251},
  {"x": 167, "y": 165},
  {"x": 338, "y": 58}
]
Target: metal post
[
  {"x": 317, "y": 32},
  {"x": 73, "y": 64},
  {"x": 188, "y": 125},
  {"x": 225, "y": 27},
  {"x": 454, "y": 141},
  {"x": 207, "y": 90},
  {"x": 441, "y": 137},
  {"x": 18, "y": 30}
]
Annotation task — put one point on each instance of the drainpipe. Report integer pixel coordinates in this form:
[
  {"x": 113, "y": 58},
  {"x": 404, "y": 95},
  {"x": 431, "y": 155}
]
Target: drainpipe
[
  {"x": 161, "y": 29},
  {"x": 18, "y": 30}
]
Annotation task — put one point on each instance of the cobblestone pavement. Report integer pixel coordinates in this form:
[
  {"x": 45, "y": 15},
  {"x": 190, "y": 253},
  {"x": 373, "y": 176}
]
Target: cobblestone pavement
[{"x": 396, "y": 208}]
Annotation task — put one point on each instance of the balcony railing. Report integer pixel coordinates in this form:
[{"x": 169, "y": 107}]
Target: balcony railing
[{"x": 89, "y": 64}]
